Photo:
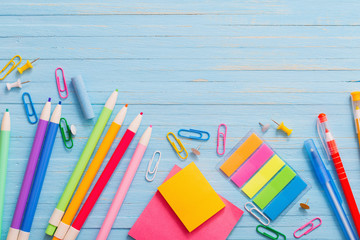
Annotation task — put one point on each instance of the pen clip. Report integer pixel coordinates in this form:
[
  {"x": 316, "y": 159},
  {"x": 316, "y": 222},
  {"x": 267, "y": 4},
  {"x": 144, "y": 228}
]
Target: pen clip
[{"x": 322, "y": 138}]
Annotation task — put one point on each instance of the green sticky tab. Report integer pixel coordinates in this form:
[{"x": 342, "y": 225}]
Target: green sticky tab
[{"x": 274, "y": 187}]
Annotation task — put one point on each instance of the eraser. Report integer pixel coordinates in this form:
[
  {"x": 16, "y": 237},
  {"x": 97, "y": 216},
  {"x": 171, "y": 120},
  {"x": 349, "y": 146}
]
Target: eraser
[{"x": 83, "y": 97}]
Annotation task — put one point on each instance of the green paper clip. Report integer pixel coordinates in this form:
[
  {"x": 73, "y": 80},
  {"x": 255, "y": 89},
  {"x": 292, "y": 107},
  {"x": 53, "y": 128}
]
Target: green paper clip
[
  {"x": 277, "y": 234},
  {"x": 66, "y": 130}
]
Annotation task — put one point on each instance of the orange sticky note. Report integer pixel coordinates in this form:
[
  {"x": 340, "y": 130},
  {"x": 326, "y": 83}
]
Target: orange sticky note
[
  {"x": 191, "y": 197},
  {"x": 241, "y": 154}
]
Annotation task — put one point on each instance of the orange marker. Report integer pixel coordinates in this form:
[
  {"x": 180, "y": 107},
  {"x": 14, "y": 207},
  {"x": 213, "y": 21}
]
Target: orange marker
[{"x": 90, "y": 174}]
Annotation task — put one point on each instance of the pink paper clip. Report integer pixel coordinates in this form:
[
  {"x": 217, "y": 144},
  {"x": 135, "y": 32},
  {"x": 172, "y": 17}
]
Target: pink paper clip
[
  {"x": 223, "y": 135},
  {"x": 312, "y": 227},
  {"x": 59, "y": 85}
]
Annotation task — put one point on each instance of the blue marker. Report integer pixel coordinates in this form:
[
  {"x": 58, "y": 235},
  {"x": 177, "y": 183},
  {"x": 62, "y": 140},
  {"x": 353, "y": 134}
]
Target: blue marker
[
  {"x": 331, "y": 191},
  {"x": 40, "y": 174}
]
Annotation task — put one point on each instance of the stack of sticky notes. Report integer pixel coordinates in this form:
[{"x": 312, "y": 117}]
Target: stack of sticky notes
[
  {"x": 263, "y": 175},
  {"x": 186, "y": 207}
]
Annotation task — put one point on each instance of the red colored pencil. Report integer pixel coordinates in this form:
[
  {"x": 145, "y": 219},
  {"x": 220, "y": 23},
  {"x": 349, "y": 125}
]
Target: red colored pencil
[{"x": 103, "y": 179}]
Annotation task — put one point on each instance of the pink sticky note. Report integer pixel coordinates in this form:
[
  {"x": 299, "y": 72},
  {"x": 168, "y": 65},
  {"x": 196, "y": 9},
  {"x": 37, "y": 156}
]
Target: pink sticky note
[
  {"x": 159, "y": 221},
  {"x": 249, "y": 168}
]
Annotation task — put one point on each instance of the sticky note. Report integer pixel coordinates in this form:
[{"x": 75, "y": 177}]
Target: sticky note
[
  {"x": 191, "y": 197},
  {"x": 263, "y": 176},
  {"x": 241, "y": 154},
  {"x": 249, "y": 168},
  {"x": 274, "y": 187},
  {"x": 159, "y": 221},
  {"x": 285, "y": 198}
]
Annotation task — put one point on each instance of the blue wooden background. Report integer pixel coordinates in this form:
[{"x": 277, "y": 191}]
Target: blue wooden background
[{"x": 186, "y": 64}]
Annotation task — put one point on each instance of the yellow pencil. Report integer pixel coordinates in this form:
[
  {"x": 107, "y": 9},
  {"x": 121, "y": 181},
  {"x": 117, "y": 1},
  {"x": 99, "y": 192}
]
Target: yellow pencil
[{"x": 90, "y": 175}]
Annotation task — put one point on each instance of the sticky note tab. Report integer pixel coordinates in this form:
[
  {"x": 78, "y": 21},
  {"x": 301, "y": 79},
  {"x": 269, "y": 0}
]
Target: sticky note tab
[
  {"x": 274, "y": 187},
  {"x": 285, "y": 198},
  {"x": 241, "y": 154},
  {"x": 247, "y": 170},
  {"x": 158, "y": 221},
  {"x": 191, "y": 197},
  {"x": 263, "y": 176}
]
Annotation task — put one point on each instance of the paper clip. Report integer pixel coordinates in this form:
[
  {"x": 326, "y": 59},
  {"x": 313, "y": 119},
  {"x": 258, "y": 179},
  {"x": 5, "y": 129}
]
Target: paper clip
[
  {"x": 28, "y": 114},
  {"x": 277, "y": 234},
  {"x": 199, "y": 137},
  {"x": 59, "y": 85},
  {"x": 154, "y": 171},
  {"x": 66, "y": 133},
  {"x": 12, "y": 68},
  {"x": 255, "y": 215},
  {"x": 178, "y": 151},
  {"x": 312, "y": 227},
  {"x": 223, "y": 135}
]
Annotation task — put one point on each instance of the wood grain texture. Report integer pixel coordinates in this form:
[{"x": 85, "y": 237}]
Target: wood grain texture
[{"x": 186, "y": 64}]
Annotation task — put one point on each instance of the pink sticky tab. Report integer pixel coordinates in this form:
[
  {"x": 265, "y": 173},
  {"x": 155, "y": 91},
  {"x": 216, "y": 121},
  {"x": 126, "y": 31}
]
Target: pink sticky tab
[{"x": 250, "y": 167}]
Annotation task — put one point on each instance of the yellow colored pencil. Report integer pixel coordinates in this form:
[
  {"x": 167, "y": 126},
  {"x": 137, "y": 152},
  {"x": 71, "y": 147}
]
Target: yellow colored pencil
[{"x": 90, "y": 175}]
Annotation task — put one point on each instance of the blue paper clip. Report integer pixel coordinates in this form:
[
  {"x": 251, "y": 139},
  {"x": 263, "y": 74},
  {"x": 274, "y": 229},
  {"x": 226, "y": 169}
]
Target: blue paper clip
[
  {"x": 28, "y": 114},
  {"x": 199, "y": 133}
]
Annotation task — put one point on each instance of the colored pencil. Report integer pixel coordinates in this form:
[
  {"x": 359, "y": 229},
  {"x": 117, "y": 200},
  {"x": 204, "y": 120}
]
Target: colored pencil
[
  {"x": 90, "y": 175},
  {"x": 4, "y": 154},
  {"x": 81, "y": 164},
  {"x": 40, "y": 174},
  {"x": 30, "y": 171},
  {"x": 103, "y": 179},
  {"x": 124, "y": 185}
]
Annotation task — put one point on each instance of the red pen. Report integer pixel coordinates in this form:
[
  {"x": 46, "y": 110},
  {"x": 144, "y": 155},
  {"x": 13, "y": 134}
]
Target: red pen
[{"x": 332, "y": 150}]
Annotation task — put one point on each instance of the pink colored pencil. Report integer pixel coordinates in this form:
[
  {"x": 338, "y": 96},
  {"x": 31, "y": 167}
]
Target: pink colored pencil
[
  {"x": 103, "y": 179},
  {"x": 124, "y": 185}
]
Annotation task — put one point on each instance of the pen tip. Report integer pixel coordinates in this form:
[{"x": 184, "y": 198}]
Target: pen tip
[
  {"x": 49, "y": 100},
  {"x": 141, "y": 113},
  {"x": 126, "y": 105}
]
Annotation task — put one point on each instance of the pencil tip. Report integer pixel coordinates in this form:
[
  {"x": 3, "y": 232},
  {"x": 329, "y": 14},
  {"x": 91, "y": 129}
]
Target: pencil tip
[
  {"x": 7, "y": 110},
  {"x": 49, "y": 100},
  {"x": 59, "y": 102},
  {"x": 117, "y": 90},
  {"x": 126, "y": 105},
  {"x": 141, "y": 113},
  {"x": 151, "y": 126}
]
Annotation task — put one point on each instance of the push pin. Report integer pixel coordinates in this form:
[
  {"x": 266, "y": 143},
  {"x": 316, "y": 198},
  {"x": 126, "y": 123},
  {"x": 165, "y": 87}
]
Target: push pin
[
  {"x": 265, "y": 127},
  {"x": 73, "y": 129},
  {"x": 9, "y": 86},
  {"x": 27, "y": 65},
  {"x": 196, "y": 151},
  {"x": 305, "y": 205},
  {"x": 282, "y": 127}
]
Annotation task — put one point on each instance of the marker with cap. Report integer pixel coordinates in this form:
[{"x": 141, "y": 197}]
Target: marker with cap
[
  {"x": 40, "y": 174},
  {"x": 125, "y": 184},
  {"x": 104, "y": 178},
  {"x": 30, "y": 171},
  {"x": 81, "y": 164},
  {"x": 90, "y": 174},
  {"x": 4, "y": 155}
]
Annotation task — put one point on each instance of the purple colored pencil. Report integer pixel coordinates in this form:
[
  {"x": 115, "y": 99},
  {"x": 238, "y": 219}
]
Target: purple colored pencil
[{"x": 30, "y": 171}]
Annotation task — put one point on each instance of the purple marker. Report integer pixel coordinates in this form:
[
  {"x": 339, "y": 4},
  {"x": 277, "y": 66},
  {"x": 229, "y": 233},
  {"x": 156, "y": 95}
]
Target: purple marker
[{"x": 30, "y": 171}]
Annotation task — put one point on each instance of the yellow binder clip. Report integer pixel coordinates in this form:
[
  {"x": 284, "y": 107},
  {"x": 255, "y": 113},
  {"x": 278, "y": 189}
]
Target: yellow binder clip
[
  {"x": 178, "y": 151},
  {"x": 14, "y": 65}
]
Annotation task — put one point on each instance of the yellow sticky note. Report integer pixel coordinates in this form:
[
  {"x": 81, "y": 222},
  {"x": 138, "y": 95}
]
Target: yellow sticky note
[
  {"x": 191, "y": 197},
  {"x": 263, "y": 176}
]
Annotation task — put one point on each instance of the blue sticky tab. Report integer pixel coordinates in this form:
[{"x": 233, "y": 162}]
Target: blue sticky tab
[{"x": 285, "y": 198}]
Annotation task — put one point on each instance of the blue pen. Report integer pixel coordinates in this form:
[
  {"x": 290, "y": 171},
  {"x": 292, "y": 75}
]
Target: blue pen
[
  {"x": 40, "y": 174},
  {"x": 331, "y": 191}
]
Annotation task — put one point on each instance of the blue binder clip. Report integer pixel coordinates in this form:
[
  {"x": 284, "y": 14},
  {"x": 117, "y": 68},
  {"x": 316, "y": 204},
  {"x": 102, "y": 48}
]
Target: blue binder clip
[
  {"x": 32, "y": 113},
  {"x": 199, "y": 135}
]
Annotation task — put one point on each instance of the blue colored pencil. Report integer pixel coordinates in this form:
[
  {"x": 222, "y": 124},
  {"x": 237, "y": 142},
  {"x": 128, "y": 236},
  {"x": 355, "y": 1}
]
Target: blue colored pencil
[{"x": 40, "y": 174}]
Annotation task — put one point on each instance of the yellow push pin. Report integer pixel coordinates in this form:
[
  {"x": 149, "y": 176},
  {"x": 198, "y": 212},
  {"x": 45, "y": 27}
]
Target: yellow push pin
[
  {"x": 282, "y": 127},
  {"x": 305, "y": 205},
  {"x": 27, "y": 65},
  {"x": 196, "y": 151}
]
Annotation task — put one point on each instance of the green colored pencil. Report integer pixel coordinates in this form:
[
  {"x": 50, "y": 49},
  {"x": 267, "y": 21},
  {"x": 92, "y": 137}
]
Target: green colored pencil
[
  {"x": 81, "y": 164},
  {"x": 4, "y": 153}
]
